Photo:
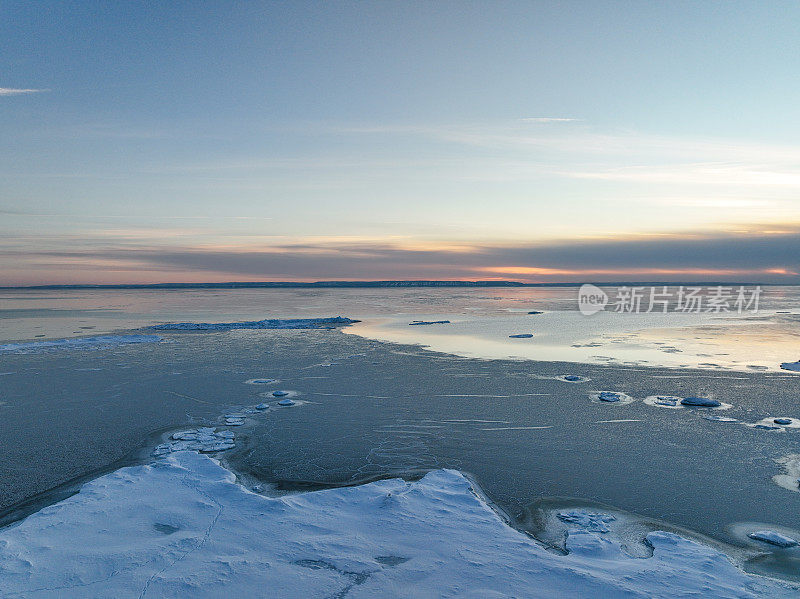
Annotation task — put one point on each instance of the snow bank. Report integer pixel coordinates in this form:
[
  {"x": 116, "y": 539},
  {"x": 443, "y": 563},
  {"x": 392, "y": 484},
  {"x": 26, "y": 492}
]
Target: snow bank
[
  {"x": 182, "y": 527},
  {"x": 78, "y": 343},
  {"x": 270, "y": 323}
]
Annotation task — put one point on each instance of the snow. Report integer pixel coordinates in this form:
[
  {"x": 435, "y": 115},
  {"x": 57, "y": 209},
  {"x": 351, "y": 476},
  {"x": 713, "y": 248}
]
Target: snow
[
  {"x": 100, "y": 342},
  {"x": 773, "y": 538},
  {"x": 270, "y": 323},
  {"x": 183, "y": 527}
]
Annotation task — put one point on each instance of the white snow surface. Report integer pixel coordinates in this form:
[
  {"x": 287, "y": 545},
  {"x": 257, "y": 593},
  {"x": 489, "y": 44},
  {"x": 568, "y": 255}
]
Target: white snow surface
[
  {"x": 182, "y": 527},
  {"x": 78, "y": 343}
]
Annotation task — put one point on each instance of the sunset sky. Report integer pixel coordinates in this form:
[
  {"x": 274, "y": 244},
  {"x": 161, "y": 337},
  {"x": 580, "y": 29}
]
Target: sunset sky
[{"x": 533, "y": 141}]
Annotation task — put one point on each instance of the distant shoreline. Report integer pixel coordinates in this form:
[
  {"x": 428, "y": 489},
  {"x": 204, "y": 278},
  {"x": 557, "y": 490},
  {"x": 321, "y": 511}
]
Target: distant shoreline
[
  {"x": 381, "y": 284},
  {"x": 378, "y": 284}
]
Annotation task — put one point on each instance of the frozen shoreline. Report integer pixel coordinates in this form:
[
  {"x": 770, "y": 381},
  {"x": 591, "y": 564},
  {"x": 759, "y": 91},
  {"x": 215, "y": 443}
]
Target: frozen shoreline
[{"x": 182, "y": 525}]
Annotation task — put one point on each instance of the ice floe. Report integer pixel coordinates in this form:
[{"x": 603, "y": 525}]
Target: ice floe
[
  {"x": 794, "y": 366},
  {"x": 204, "y": 439},
  {"x": 664, "y": 401},
  {"x": 262, "y": 406},
  {"x": 572, "y": 378},
  {"x": 702, "y": 402},
  {"x": 270, "y": 323},
  {"x": 280, "y": 393},
  {"x": 612, "y": 397},
  {"x": 184, "y": 527},
  {"x": 591, "y": 521},
  {"x": 427, "y": 322},
  {"x": 286, "y": 402},
  {"x": 261, "y": 381},
  {"x": 790, "y": 479},
  {"x": 773, "y": 538},
  {"x": 521, "y": 336},
  {"x": 101, "y": 342}
]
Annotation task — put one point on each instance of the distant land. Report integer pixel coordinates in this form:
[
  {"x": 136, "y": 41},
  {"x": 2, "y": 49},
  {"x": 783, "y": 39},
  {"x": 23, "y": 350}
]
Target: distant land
[{"x": 374, "y": 284}]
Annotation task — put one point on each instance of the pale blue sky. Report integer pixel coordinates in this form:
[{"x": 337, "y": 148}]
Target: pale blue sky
[{"x": 311, "y": 140}]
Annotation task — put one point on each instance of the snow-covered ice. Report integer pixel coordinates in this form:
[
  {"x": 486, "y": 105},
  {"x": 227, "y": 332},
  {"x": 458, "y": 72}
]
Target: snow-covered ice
[
  {"x": 613, "y": 397},
  {"x": 591, "y": 521},
  {"x": 773, "y": 538},
  {"x": 100, "y": 342},
  {"x": 205, "y": 439},
  {"x": 664, "y": 401},
  {"x": 269, "y": 323},
  {"x": 183, "y": 527}
]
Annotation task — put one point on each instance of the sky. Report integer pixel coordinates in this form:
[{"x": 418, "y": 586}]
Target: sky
[{"x": 531, "y": 141}]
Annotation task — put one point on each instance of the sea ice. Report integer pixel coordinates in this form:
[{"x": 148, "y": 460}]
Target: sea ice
[
  {"x": 262, "y": 406},
  {"x": 535, "y": 312},
  {"x": 433, "y": 537},
  {"x": 590, "y": 521},
  {"x": 270, "y": 323},
  {"x": 795, "y": 366},
  {"x": 286, "y": 402},
  {"x": 280, "y": 393},
  {"x": 261, "y": 381},
  {"x": 715, "y": 418},
  {"x": 663, "y": 401},
  {"x": 773, "y": 538},
  {"x": 609, "y": 396},
  {"x": 782, "y": 420},
  {"x": 424, "y": 322},
  {"x": 204, "y": 439},
  {"x": 572, "y": 378},
  {"x": 703, "y": 402},
  {"x": 521, "y": 336},
  {"x": 101, "y": 342}
]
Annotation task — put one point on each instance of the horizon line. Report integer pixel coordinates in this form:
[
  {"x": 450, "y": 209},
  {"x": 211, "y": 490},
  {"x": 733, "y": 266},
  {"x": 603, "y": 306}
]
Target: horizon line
[{"x": 383, "y": 283}]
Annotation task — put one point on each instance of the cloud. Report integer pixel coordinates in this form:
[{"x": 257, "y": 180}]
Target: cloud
[
  {"x": 764, "y": 257},
  {"x": 8, "y": 91}
]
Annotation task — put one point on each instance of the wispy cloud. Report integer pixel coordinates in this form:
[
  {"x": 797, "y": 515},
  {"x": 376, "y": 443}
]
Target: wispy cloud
[
  {"x": 10, "y": 91},
  {"x": 701, "y": 257}
]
